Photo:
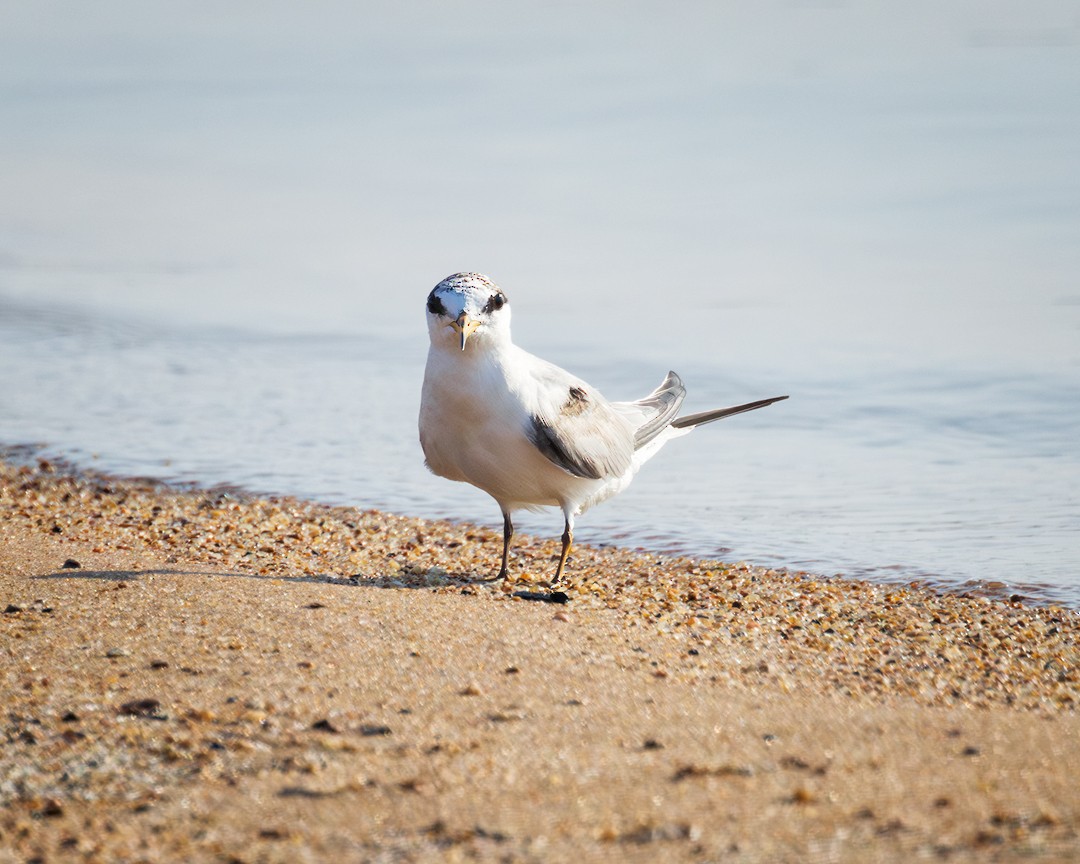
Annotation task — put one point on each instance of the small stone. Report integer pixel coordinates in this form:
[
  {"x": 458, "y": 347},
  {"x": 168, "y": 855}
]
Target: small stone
[
  {"x": 413, "y": 784},
  {"x": 117, "y": 652},
  {"x": 11, "y": 609},
  {"x": 543, "y": 596},
  {"x": 51, "y": 808},
  {"x": 142, "y": 708},
  {"x": 70, "y": 564},
  {"x": 324, "y": 725},
  {"x": 371, "y": 731}
]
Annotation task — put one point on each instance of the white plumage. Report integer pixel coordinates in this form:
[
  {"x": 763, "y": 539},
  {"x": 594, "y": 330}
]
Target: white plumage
[{"x": 525, "y": 431}]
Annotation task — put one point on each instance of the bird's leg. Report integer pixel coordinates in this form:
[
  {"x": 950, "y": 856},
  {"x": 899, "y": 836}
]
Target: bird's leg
[
  {"x": 508, "y": 534},
  {"x": 567, "y": 542}
]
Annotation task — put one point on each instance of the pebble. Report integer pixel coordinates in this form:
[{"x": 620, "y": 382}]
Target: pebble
[
  {"x": 324, "y": 725},
  {"x": 142, "y": 708}
]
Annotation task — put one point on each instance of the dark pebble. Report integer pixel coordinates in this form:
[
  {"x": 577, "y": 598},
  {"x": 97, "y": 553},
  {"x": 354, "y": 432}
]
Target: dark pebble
[
  {"x": 371, "y": 731},
  {"x": 70, "y": 717},
  {"x": 301, "y": 792},
  {"x": 652, "y": 744},
  {"x": 52, "y": 808},
  {"x": 159, "y": 664},
  {"x": 494, "y": 836},
  {"x": 11, "y": 609},
  {"x": 142, "y": 708},
  {"x": 70, "y": 564},
  {"x": 544, "y": 596},
  {"x": 315, "y": 606},
  {"x": 324, "y": 725}
]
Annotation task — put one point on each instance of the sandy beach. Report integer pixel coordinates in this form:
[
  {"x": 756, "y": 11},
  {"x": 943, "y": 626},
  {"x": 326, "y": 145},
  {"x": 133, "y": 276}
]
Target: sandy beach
[{"x": 198, "y": 675}]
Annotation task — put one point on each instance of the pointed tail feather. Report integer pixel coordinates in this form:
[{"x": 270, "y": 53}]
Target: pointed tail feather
[{"x": 720, "y": 413}]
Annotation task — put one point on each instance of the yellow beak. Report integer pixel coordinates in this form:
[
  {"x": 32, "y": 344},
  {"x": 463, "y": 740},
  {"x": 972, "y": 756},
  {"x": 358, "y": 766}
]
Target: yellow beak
[{"x": 464, "y": 325}]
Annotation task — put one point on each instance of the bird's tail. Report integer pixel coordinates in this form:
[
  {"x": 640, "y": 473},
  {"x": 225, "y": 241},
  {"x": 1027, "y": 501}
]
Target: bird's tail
[{"x": 692, "y": 420}]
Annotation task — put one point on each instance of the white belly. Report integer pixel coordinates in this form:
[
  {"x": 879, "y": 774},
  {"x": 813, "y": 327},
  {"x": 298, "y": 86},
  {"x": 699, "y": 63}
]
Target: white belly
[{"x": 474, "y": 429}]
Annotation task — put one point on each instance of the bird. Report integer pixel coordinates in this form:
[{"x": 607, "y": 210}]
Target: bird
[{"x": 525, "y": 431}]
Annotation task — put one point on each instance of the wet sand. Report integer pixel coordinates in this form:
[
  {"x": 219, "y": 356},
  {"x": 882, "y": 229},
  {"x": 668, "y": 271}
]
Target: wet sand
[{"x": 200, "y": 676}]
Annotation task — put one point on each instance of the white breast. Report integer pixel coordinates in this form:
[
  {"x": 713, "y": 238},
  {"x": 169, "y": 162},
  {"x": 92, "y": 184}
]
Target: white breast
[{"x": 473, "y": 422}]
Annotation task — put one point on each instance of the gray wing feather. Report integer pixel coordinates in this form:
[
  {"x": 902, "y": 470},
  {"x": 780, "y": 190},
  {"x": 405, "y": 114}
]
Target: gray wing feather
[
  {"x": 664, "y": 401},
  {"x": 547, "y": 440},
  {"x": 582, "y": 433}
]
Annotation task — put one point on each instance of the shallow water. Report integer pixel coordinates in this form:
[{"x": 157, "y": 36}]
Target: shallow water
[{"x": 215, "y": 242}]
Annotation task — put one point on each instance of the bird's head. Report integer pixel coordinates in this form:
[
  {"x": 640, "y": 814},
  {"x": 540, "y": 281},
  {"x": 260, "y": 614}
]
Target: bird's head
[{"x": 466, "y": 309}]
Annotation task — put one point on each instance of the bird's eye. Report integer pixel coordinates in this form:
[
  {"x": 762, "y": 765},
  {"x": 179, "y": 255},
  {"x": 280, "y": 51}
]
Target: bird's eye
[
  {"x": 435, "y": 305},
  {"x": 495, "y": 301}
]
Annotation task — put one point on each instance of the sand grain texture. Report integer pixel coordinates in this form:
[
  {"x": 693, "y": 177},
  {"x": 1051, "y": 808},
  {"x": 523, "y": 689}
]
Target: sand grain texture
[{"x": 225, "y": 678}]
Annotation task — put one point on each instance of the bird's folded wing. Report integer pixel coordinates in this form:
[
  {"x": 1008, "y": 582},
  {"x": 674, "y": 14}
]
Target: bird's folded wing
[{"x": 581, "y": 433}]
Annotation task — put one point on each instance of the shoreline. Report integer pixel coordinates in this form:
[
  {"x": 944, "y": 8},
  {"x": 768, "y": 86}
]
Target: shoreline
[
  {"x": 1036, "y": 594},
  {"x": 203, "y": 663}
]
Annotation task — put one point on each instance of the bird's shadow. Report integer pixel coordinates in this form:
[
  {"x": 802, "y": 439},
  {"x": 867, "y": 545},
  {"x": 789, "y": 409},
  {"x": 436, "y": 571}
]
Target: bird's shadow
[
  {"x": 356, "y": 580},
  {"x": 134, "y": 575},
  {"x": 546, "y": 595}
]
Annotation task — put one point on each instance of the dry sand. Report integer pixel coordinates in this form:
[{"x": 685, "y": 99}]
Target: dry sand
[{"x": 224, "y": 678}]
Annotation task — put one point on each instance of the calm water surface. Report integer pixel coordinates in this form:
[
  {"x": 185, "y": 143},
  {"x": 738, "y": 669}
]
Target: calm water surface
[{"x": 216, "y": 238}]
